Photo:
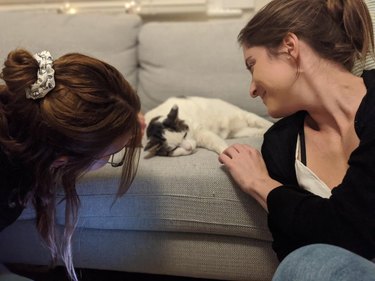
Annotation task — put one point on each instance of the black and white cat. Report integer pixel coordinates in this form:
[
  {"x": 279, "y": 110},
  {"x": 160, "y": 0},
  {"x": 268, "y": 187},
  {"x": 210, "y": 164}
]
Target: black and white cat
[{"x": 179, "y": 125}]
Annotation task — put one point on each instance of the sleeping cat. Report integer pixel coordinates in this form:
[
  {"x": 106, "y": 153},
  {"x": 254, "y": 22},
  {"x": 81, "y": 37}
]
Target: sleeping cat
[{"x": 179, "y": 125}]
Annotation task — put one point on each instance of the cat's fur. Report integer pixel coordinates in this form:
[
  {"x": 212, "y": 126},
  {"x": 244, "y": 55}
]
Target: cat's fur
[{"x": 179, "y": 125}]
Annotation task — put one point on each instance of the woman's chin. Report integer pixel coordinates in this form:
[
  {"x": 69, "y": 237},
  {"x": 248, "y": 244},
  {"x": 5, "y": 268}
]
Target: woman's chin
[{"x": 275, "y": 113}]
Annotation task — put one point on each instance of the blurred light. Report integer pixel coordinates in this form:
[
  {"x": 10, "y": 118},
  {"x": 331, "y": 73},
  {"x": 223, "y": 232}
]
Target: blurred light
[{"x": 69, "y": 9}]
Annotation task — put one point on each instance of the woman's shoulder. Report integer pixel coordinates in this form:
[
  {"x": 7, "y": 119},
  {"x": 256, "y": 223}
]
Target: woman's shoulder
[
  {"x": 366, "y": 109},
  {"x": 10, "y": 209},
  {"x": 13, "y": 176},
  {"x": 365, "y": 116},
  {"x": 369, "y": 79}
]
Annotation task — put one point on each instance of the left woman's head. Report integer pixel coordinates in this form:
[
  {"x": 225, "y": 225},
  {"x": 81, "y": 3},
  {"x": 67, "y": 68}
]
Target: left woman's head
[
  {"x": 59, "y": 119},
  {"x": 72, "y": 127},
  {"x": 96, "y": 110}
]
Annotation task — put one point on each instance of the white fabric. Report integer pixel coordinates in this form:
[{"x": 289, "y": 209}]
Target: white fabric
[
  {"x": 45, "y": 77},
  {"x": 307, "y": 179}
]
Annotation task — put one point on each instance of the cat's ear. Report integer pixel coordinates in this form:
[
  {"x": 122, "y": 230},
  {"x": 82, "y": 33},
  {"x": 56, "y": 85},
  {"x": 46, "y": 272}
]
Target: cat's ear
[
  {"x": 172, "y": 120},
  {"x": 152, "y": 147},
  {"x": 150, "y": 144},
  {"x": 173, "y": 113}
]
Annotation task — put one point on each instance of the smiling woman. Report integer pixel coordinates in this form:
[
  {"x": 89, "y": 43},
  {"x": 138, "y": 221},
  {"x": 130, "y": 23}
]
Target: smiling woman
[{"x": 301, "y": 54}]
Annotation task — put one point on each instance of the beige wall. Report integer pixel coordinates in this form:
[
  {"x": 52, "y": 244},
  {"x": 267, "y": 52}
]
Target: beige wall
[
  {"x": 260, "y": 3},
  {"x": 257, "y": 4}
]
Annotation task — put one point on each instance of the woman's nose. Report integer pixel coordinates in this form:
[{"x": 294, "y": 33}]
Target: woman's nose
[{"x": 253, "y": 90}]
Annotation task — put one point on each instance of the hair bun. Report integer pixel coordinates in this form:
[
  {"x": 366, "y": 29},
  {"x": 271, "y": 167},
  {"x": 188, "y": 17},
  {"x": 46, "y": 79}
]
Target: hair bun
[{"x": 19, "y": 71}]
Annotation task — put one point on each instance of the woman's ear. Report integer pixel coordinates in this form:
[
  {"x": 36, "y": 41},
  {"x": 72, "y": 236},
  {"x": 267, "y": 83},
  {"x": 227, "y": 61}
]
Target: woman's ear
[
  {"x": 59, "y": 162},
  {"x": 290, "y": 45}
]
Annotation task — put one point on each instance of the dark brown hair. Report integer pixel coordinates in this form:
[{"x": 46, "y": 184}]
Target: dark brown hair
[
  {"x": 91, "y": 105},
  {"x": 338, "y": 30}
]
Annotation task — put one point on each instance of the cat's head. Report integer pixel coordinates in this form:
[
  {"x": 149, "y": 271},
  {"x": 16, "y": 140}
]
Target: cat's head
[{"x": 167, "y": 136}]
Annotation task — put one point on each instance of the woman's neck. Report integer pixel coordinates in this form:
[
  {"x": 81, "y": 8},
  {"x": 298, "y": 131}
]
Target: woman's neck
[{"x": 334, "y": 96}]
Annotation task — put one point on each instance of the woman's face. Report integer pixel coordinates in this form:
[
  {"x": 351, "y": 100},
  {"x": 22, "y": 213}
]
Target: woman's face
[
  {"x": 273, "y": 78},
  {"x": 116, "y": 146}
]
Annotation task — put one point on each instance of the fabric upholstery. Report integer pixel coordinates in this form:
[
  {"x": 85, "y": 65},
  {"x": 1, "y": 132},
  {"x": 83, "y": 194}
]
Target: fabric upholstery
[
  {"x": 112, "y": 38},
  {"x": 197, "y": 255},
  {"x": 194, "y": 59}
]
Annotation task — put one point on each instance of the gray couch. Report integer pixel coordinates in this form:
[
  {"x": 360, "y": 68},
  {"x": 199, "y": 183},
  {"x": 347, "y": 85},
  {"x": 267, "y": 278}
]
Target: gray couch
[{"x": 182, "y": 216}]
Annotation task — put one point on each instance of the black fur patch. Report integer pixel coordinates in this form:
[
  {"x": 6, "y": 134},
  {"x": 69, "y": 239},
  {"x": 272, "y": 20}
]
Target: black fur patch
[{"x": 172, "y": 122}]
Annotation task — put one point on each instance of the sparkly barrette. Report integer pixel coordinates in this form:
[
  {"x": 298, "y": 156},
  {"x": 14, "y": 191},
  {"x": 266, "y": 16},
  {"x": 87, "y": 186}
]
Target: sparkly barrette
[{"x": 45, "y": 80}]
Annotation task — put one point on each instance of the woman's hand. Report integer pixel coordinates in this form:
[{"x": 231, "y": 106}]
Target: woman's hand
[{"x": 247, "y": 167}]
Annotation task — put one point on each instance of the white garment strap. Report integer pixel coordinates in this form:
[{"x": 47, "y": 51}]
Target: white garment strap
[{"x": 307, "y": 179}]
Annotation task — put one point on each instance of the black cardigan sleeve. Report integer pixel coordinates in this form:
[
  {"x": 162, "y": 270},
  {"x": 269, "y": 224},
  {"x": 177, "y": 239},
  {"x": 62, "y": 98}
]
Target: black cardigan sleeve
[
  {"x": 298, "y": 217},
  {"x": 15, "y": 183}
]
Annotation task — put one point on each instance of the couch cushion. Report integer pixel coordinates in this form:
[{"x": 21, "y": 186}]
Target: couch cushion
[
  {"x": 178, "y": 194},
  {"x": 112, "y": 38},
  {"x": 194, "y": 59}
]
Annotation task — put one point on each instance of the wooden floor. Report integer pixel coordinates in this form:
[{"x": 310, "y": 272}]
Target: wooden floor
[{"x": 38, "y": 273}]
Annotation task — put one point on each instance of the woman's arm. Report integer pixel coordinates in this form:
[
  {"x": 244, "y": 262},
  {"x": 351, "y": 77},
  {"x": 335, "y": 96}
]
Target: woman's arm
[{"x": 248, "y": 169}]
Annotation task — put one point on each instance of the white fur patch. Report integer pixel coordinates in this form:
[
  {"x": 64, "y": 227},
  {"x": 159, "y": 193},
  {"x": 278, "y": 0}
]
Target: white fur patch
[
  {"x": 174, "y": 138},
  {"x": 210, "y": 122}
]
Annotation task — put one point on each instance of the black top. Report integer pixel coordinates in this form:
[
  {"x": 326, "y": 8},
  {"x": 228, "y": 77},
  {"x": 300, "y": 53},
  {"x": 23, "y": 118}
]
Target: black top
[
  {"x": 298, "y": 217},
  {"x": 14, "y": 185}
]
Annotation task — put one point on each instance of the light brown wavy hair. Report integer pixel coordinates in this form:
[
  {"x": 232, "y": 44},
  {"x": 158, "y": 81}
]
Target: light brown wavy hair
[
  {"x": 91, "y": 105},
  {"x": 338, "y": 30}
]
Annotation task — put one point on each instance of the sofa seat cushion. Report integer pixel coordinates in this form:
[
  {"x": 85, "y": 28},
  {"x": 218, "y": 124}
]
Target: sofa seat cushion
[
  {"x": 181, "y": 194},
  {"x": 112, "y": 38}
]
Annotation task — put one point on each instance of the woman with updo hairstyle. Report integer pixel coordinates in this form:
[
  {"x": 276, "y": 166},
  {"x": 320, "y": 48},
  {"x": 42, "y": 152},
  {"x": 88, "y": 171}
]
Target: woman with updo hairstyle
[
  {"x": 58, "y": 120},
  {"x": 315, "y": 174}
]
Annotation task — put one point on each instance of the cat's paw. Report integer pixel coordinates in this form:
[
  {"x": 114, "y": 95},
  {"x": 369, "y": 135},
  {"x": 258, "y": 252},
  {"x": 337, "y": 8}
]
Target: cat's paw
[{"x": 221, "y": 149}]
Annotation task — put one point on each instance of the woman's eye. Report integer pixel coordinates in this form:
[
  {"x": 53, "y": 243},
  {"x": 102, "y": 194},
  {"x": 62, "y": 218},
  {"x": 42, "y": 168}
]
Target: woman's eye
[{"x": 250, "y": 62}]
